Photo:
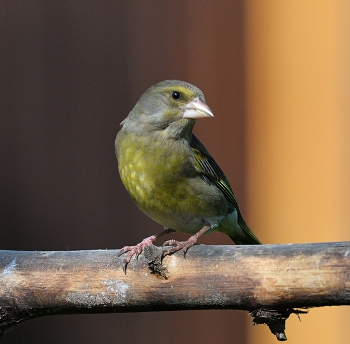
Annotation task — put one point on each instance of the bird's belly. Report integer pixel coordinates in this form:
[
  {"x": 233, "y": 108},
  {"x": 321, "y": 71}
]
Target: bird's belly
[{"x": 183, "y": 202}]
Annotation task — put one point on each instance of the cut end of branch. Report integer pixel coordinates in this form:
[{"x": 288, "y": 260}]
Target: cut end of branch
[{"x": 274, "y": 319}]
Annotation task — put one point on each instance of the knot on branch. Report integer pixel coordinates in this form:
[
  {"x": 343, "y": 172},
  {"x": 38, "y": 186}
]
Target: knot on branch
[{"x": 153, "y": 256}]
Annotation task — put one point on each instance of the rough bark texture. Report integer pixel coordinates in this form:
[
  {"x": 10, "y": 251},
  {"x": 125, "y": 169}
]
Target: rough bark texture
[{"x": 253, "y": 278}]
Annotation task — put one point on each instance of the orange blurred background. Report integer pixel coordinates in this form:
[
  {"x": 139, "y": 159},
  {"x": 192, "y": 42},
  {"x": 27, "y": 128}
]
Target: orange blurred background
[
  {"x": 275, "y": 73},
  {"x": 298, "y": 142}
]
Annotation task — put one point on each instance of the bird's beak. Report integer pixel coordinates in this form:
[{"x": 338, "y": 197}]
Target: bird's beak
[{"x": 197, "y": 108}]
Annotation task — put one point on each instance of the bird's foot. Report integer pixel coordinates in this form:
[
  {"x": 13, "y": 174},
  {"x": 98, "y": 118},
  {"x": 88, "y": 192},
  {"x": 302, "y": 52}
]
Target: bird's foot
[
  {"x": 179, "y": 245},
  {"x": 183, "y": 245},
  {"x": 135, "y": 250}
]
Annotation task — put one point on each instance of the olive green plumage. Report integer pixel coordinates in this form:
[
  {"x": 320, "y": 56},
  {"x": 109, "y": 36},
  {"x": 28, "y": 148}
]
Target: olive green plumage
[{"x": 167, "y": 171}]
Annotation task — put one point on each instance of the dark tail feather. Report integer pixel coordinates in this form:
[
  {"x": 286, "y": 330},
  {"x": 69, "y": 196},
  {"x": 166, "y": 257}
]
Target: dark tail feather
[
  {"x": 247, "y": 241},
  {"x": 247, "y": 237}
]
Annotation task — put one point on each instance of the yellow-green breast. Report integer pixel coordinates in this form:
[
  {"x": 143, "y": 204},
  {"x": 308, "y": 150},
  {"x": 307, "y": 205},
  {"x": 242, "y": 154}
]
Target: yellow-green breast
[{"x": 161, "y": 179}]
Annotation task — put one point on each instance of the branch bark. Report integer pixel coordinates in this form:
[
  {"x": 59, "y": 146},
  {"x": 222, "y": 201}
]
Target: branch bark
[{"x": 255, "y": 278}]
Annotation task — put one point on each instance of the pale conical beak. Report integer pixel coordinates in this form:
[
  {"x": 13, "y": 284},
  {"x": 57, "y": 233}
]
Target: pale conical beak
[{"x": 197, "y": 108}]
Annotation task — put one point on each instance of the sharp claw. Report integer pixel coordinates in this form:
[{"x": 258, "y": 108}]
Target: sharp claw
[
  {"x": 124, "y": 266},
  {"x": 184, "y": 252}
]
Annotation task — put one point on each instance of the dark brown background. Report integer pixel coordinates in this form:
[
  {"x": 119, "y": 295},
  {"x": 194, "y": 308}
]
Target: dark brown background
[{"x": 70, "y": 71}]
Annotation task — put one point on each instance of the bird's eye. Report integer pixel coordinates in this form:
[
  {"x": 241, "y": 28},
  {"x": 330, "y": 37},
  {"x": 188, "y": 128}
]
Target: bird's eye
[{"x": 176, "y": 95}]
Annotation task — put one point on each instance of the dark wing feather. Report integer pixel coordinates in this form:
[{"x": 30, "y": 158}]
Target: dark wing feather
[{"x": 208, "y": 167}]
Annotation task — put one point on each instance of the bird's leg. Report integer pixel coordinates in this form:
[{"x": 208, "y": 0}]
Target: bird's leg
[
  {"x": 184, "y": 245},
  {"x": 137, "y": 249}
]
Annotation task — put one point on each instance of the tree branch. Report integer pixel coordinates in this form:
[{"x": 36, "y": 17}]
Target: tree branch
[{"x": 266, "y": 278}]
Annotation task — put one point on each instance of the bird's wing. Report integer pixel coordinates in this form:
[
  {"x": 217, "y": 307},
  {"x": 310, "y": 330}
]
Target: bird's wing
[{"x": 208, "y": 167}]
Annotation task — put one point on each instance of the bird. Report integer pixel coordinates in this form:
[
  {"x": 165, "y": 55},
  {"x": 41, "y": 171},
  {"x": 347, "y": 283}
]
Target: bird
[{"x": 170, "y": 175}]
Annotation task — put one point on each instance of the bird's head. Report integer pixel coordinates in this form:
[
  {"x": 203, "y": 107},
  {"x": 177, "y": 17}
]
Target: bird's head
[{"x": 169, "y": 108}]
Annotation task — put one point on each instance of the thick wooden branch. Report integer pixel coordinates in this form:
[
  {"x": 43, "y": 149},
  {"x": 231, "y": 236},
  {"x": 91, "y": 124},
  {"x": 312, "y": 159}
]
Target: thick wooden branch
[{"x": 253, "y": 278}]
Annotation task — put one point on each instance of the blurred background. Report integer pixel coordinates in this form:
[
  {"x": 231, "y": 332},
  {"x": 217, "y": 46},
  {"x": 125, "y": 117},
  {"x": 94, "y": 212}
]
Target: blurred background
[{"x": 275, "y": 73}]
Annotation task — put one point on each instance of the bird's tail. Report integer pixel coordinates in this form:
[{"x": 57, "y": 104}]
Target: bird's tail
[{"x": 246, "y": 236}]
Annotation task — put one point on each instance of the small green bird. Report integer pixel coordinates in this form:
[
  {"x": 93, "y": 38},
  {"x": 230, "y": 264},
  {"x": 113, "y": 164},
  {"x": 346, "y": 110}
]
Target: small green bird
[{"x": 170, "y": 175}]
